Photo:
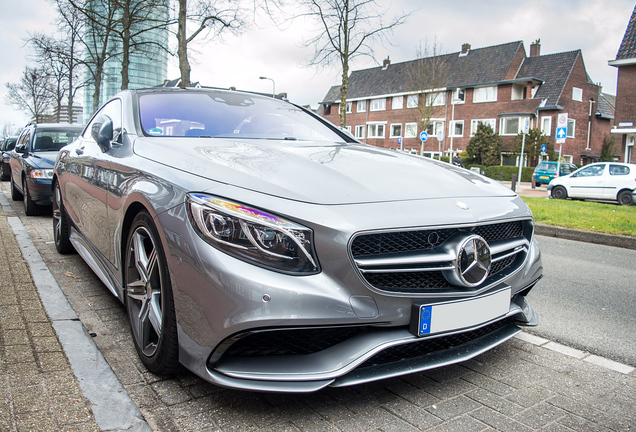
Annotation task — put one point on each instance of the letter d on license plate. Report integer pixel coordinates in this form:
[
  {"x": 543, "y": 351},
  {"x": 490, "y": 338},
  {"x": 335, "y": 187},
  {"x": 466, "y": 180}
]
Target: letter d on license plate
[{"x": 461, "y": 314}]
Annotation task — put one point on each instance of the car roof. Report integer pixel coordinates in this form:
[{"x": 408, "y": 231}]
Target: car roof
[{"x": 57, "y": 125}]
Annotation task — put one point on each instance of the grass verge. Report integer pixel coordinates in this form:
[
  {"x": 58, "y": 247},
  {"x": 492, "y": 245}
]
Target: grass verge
[{"x": 584, "y": 215}]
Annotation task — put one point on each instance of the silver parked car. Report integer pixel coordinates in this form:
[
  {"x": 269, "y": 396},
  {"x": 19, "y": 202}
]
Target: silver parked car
[{"x": 264, "y": 249}]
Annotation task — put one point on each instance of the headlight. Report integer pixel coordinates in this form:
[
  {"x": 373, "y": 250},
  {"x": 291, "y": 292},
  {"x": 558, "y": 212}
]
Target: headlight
[
  {"x": 253, "y": 235},
  {"x": 41, "y": 173}
]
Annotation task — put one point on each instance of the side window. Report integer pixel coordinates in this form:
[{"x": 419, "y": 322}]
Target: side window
[
  {"x": 113, "y": 111},
  {"x": 26, "y": 139},
  {"x": 619, "y": 170},
  {"x": 592, "y": 171}
]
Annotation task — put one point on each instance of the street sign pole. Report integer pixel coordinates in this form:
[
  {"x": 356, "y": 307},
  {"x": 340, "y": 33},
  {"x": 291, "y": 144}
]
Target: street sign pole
[
  {"x": 562, "y": 133},
  {"x": 526, "y": 128}
]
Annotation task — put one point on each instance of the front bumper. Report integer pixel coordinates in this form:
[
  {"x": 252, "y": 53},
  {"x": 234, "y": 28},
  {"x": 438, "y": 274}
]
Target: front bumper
[
  {"x": 369, "y": 355},
  {"x": 249, "y": 328},
  {"x": 40, "y": 191}
]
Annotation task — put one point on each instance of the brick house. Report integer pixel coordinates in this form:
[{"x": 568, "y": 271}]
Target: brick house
[
  {"x": 498, "y": 85},
  {"x": 625, "y": 123}
]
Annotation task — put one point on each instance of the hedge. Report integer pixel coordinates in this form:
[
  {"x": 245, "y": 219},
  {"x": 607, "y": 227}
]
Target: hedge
[{"x": 494, "y": 171}]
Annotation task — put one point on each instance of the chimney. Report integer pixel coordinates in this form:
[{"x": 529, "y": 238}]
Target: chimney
[
  {"x": 535, "y": 48},
  {"x": 386, "y": 63},
  {"x": 465, "y": 49}
]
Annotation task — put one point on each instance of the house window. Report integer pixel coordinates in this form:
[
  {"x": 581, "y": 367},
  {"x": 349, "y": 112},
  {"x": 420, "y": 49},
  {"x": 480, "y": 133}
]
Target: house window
[
  {"x": 397, "y": 102},
  {"x": 459, "y": 96},
  {"x": 327, "y": 109},
  {"x": 485, "y": 94},
  {"x": 436, "y": 99},
  {"x": 510, "y": 125},
  {"x": 361, "y": 106},
  {"x": 348, "y": 128},
  {"x": 359, "y": 131},
  {"x": 396, "y": 130},
  {"x": 378, "y": 104},
  {"x": 410, "y": 130},
  {"x": 475, "y": 123},
  {"x": 349, "y": 108},
  {"x": 457, "y": 128},
  {"x": 571, "y": 127},
  {"x": 435, "y": 127},
  {"x": 375, "y": 130},
  {"x": 412, "y": 101},
  {"x": 546, "y": 125},
  {"x": 577, "y": 94}
]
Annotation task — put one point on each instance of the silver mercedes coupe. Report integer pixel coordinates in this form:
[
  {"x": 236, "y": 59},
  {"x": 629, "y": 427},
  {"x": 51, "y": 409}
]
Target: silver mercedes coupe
[{"x": 265, "y": 249}]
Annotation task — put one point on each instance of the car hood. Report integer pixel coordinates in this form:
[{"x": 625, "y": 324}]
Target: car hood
[
  {"x": 317, "y": 173},
  {"x": 42, "y": 159}
]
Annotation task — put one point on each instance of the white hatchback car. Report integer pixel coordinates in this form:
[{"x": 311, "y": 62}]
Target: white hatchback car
[{"x": 601, "y": 180}]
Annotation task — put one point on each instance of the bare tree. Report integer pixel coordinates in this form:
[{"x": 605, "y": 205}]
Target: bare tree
[
  {"x": 349, "y": 29},
  {"x": 125, "y": 22},
  {"x": 62, "y": 59},
  {"x": 96, "y": 39},
  {"x": 32, "y": 94},
  {"x": 49, "y": 51},
  {"x": 427, "y": 76},
  {"x": 210, "y": 18}
]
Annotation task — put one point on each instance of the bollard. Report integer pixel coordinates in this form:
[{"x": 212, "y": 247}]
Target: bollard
[
  {"x": 500, "y": 175},
  {"x": 513, "y": 186},
  {"x": 533, "y": 180}
]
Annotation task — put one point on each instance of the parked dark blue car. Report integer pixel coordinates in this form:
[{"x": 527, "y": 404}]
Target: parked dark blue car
[
  {"x": 32, "y": 162},
  {"x": 5, "y": 152}
]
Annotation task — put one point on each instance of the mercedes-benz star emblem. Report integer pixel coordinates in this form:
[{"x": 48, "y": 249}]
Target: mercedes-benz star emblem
[{"x": 473, "y": 262}]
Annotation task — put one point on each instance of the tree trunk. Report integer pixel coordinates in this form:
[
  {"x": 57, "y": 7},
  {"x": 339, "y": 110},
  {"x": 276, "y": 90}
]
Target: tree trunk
[
  {"x": 343, "y": 93},
  {"x": 99, "y": 71},
  {"x": 125, "y": 60},
  {"x": 182, "y": 49}
]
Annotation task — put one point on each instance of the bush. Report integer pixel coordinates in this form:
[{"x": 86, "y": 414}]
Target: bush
[{"x": 493, "y": 172}]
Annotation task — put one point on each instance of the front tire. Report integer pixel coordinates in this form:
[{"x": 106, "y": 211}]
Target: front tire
[
  {"x": 61, "y": 228},
  {"x": 30, "y": 207},
  {"x": 625, "y": 198},
  {"x": 16, "y": 195},
  {"x": 149, "y": 298},
  {"x": 559, "y": 192}
]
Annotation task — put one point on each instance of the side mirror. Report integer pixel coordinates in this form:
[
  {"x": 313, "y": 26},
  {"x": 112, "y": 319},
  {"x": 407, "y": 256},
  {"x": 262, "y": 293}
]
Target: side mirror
[
  {"x": 21, "y": 148},
  {"x": 102, "y": 132}
]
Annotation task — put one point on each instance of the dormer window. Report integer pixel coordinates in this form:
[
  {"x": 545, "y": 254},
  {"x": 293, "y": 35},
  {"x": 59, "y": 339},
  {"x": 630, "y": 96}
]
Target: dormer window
[
  {"x": 485, "y": 94},
  {"x": 459, "y": 96}
]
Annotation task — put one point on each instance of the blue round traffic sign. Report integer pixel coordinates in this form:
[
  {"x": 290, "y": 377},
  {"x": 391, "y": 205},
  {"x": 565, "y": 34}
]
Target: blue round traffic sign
[{"x": 423, "y": 136}]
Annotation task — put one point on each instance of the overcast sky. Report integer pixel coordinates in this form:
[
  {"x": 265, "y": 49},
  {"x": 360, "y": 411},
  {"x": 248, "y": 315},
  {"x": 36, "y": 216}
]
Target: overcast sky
[{"x": 594, "y": 26}]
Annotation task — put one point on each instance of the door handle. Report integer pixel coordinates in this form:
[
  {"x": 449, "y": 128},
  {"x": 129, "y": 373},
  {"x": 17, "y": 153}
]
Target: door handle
[{"x": 79, "y": 151}]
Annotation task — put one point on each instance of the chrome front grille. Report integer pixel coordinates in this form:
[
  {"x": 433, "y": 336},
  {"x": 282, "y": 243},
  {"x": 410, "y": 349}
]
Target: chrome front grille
[{"x": 415, "y": 261}]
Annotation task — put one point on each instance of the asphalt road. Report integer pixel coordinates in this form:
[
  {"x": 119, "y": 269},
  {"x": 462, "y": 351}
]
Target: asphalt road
[{"x": 587, "y": 298}]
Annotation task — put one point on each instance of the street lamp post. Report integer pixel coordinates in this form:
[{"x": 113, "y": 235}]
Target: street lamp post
[{"x": 273, "y": 85}]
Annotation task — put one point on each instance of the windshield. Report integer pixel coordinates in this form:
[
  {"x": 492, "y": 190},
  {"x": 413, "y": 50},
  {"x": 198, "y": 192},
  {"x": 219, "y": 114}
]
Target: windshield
[
  {"x": 53, "y": 140},
  {"x": 547, "y": 167},
  {"x": 228, "y": 115}
]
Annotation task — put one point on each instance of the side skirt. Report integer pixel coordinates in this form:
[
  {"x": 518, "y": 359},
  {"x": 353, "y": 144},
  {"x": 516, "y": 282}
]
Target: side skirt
[{"x": 96, "y": 264}]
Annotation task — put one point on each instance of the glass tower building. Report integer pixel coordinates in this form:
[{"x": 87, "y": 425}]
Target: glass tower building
[{"x": 148, "y": 65}]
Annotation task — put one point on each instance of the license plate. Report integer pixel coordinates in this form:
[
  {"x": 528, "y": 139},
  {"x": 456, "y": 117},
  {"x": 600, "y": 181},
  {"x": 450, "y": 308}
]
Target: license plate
[
  {"x": 544, "y": 177},
  {"x": 461, "y": 314}
]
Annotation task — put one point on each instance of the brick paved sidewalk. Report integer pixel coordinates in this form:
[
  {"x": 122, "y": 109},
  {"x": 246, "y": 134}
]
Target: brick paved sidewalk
[{"x": 38, "y": 391}]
